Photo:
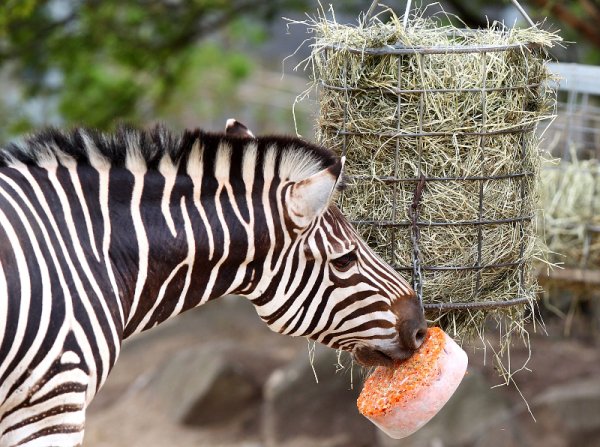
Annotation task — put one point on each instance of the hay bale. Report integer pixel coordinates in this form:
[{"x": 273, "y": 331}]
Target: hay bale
[
  {"x": 458, "y": 107},
  {"x": 571, "y": 196}
]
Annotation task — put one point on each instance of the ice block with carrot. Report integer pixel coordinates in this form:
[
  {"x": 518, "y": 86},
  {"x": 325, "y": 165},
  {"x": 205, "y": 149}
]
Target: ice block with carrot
[{"x": 402, "y": 399}]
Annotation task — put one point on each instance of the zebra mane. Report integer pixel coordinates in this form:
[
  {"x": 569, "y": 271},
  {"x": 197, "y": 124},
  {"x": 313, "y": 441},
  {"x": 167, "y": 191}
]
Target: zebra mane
[{"x": 294, "y": 158}]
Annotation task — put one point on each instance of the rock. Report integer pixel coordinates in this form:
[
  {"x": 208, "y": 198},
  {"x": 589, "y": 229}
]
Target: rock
[
  {"x": 205, "y": 385},
  {"x": 475, "y": 415},
  {"x": 570, "y": 410},
  {"x": 300, "y": 412},
  {"x": 576, "y": 403}
]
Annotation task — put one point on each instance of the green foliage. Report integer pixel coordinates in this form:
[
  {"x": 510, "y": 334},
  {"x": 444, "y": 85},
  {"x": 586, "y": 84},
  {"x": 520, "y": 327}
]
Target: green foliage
[
  {"x": 125, "y": 60},
  {"x": 13, "y": 10},
  {"x": 95, "y": 94},
  {"x": 97, "y": 62}
]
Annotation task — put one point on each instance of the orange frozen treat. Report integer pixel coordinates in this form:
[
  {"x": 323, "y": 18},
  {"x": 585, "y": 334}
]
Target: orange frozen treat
[{"x": 402, "y": 399}]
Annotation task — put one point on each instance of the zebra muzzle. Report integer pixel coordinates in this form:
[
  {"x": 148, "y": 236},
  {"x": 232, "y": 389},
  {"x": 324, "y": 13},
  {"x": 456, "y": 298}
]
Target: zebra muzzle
[{"x": 369, "y": 356}]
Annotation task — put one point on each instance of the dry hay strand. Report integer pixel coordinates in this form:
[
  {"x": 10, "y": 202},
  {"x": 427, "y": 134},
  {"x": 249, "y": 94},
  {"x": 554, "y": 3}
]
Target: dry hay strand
[
  {"x": 459, "y": 107},
  {"x": 571, "y": 196}
]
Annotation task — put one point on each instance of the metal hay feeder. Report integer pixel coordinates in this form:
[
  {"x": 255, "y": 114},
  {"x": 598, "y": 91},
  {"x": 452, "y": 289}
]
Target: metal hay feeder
[{"x": 382, "y": 108}]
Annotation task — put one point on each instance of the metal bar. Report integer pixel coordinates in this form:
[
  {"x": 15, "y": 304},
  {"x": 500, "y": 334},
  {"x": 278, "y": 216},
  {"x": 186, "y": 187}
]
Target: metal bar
[
  {"x": 413, "y": 212},
  {"x": 460, "y": 268},
  {"x": 522, "y": 195},
  {"x": 434, "y": 134},
  {"x": 387, "y": 179},
  {"x": 421, "y": 111},
  {"x": 396, "y": 155},
  {"x": 482, "y": 182},
  {"x": 432, "y": 50},
  {"x": 344, "y": 134},
  {"x": 478, "y": 305},
  {"x": 523, "y": 13},
  {"x": 390, "y": 224},
  {"x": 430, "y": 90},
  {"x": 406, "y": 12}
]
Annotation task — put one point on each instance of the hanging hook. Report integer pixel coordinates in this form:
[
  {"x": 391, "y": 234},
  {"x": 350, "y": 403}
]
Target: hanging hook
[
  {"x": 406, "y": 11},
  {"x": 523, "y": 13},
  {"x": 374, "y": 5}
]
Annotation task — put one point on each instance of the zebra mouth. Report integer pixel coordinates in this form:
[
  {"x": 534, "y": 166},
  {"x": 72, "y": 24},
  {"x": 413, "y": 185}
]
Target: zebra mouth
[{"x": 368, "y": 357}]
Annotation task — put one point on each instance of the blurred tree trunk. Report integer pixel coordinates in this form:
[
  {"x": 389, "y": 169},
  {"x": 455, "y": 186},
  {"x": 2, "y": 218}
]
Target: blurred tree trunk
[{"x": 588, "y": 26}]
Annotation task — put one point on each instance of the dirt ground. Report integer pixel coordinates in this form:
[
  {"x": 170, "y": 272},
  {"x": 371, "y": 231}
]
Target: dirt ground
[{"x": 124, "y": 413}]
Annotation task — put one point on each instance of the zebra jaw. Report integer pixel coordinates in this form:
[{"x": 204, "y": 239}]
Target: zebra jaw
[{"x": 368, "y": 356}]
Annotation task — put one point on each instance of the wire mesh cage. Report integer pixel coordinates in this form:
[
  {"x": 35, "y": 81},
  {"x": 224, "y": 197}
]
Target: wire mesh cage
[
  {"x": 571, "y": 187},
  {"x": 437, "y": 125}
]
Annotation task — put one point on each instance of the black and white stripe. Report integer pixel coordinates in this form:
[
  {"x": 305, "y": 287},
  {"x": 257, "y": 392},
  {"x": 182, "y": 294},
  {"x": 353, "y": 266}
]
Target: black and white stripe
[{"x": 104, "y": 236}]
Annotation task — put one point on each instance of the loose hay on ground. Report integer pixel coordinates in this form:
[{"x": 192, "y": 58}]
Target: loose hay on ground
[{"x": 463, "y": 119}]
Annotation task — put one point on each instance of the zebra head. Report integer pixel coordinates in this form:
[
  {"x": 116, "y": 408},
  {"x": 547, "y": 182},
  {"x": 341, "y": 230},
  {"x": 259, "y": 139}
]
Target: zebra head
[{"x": 320, "y": 279}]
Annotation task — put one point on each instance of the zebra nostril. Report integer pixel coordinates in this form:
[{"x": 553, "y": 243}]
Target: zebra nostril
[
  {"x": 419, "y": 337},
  {"x": 412, "y": 335}
]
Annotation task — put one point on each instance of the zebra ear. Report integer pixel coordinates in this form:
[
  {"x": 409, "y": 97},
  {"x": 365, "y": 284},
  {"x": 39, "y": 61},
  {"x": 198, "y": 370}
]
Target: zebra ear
[
  {"x": 234, "y": 127},
  {"x": 310, "y": 197}
]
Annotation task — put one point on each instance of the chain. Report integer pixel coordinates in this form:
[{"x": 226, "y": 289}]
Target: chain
[{"x": 413, "y": 213}]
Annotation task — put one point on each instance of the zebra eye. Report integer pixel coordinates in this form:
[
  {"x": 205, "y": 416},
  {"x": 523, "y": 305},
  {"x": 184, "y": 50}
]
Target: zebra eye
[{"x": 344, "y": 261}]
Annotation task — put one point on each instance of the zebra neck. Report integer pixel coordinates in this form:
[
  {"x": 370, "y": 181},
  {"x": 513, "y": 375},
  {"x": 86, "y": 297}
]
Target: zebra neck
[{"x": 182, "y": 241}]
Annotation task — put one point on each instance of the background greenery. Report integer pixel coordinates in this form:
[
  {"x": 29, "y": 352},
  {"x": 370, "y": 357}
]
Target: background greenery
[{"x": 100, "y": 62}]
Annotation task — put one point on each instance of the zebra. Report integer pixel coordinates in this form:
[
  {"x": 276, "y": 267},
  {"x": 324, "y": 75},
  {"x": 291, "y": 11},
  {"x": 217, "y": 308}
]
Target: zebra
[{"x": 105, "y": 235}]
